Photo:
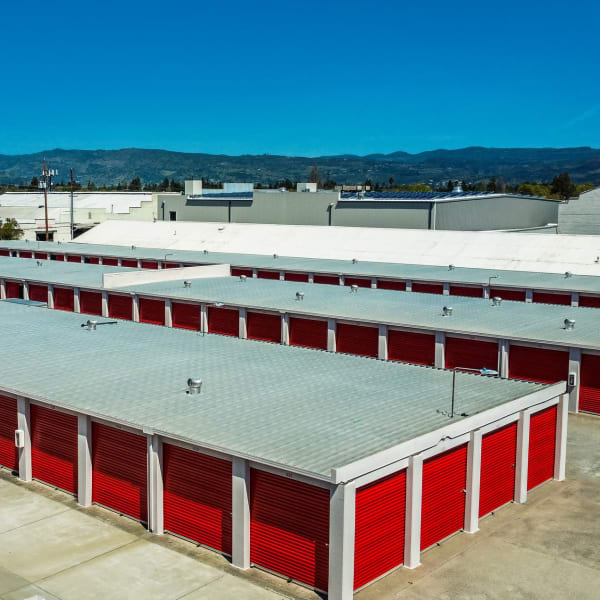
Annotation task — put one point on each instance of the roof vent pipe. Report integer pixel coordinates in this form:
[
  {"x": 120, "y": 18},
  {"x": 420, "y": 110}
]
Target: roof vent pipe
[
  {"x": 354, "y": 261},
  {"x": 568, "y": 274},
  {"x": 274, "y": 255},
  {"x": 450, "y": 267},
  {"x": 187, "y": 283},
  {"x": 299, "y": 296},
  {"x": 569, "y": 323},
  {"x": 353, "y": 288},
  {"x": 447, "y": 311},
  {"x": 194, "y": 385},
  {"x": 205, "y": 251},
  {"x": 91, "y": 325},
  {"x": 243, "y": 278},
  {"x": 496, "y": 301}
]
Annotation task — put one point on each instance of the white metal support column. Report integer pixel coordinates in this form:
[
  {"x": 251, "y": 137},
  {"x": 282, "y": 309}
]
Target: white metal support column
[
  {"x": 341, "y": 279},
  {"x": 155, "y": 484},
  {"x": 382, "y": 346},
  {"x": 412, "y": 528},
  {"x": 445, "y": 289},
  {"x": 486, "y": 292},
  {"x": 100, "y": 260},
  {"x": 408, "y": 285},
  {"x": 503, "y": 357},
  {"x": 311, "y": 278},
  {"x": 203, "y": 318},
  {"x": 331, "y": 329},
  {"x": 136, "y": 308},
  {"x": 84, "y": 460},
  {"x": 26, "y": 290},
  {"x": 105, "y": 304},
  {"x": 243, "y": 325},
  {"x": 168, "y": 313},
  {"x": 76, "y": 300},
  {"x": 254, "y": 273},
  {"x": 119, "y": 262},
  {"x": 473, "y": 481},
  {"x": 23, "y": 423},
  {"x": 528, "y": 295},
  {"x": 522, "y": 458},
  {"x": 285, "y": 329},
  {"x": 50, "y": 296},
  {"x": 139, "y": 263},
  {"x": 82, "y": 258},
  {"x": 373, "y": 283},
  {"x": 342, "y": 506},
  {"x": 240, "y": 514},
  {"x": 560, "y": 453},
  {"x": 281, "y": 275},
  {"x": 575, "y": 299},
  {"x": 440, "y": 349},
  {"x": 574, "y": 367},
  {"x": 2, "y": 289}
]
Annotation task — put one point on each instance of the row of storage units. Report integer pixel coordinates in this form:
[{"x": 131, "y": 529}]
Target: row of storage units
[
  {"x": 516, "y": 360},
  {"x": 562, "y": 297},
  {"x": 291, "y": 526}
]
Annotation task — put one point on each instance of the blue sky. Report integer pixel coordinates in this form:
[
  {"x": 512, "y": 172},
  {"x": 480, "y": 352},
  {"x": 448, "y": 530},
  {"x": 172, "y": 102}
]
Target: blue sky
[{"x": 299, "y": 77}]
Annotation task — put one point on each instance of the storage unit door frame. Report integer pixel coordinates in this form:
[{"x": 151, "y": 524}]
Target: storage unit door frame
[
  {"x": 38, "y": 292},
  {"x": 505, "y": 294},
  {"x": 299, "y": 277},
  {"x": 538, "y": 364},
  {"x": 551, "y": 298},
  {"x": 589, "y": 390},
  {"x": 542, "y": 446},
  {"x": 90, "y": 302},
  {"x": 9, "y": 455},
  {"x": 359, "y": 281},
  {"x": 152, "y": 310},
  {"x": 185, "y": 315},
  {"x": 411, "y": 347},
  {"x": 473, "y": 354},
  {"x": 466, "y": 291},
  {"x": 390, "y": 284},
  {"x": 120, "y": 307},
  {"x": 265, "y": 274},
  {"x": 263, "y": 326},
  {"x": 64, "y": 299},
  {"x": 324, "y": 279},
  {"x": 224, "y": 321},
  {"x": 427, "y": 288},
  {"x": 308, "y": 333},
  {"x": 361, "y": 340}
]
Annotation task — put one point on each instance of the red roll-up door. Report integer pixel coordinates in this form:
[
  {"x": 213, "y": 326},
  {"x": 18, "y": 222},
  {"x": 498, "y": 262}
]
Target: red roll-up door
[
  {"x": 516, "y": 295},
  {"x": 379, "y": 528},
  {"x": 25, "y": 254},
  {"x": 152, "y": 311},
  {"x": 224, "y": 321},
  {"x": 74, "y": 259},
  {"x": 550, "y": 298},
  {"x": 90, "y": 302},
  {"x": 39, "y": 293},
  {"x": 63, "y": 299},
  {"x": 538, "y": 364},
  {"x": 171, "y": 265},
  {"x": 326, "y": 279},
  {"x": 9, "y": 455},
  {"x": 427, "y": 288},
  {"x": 110, "y": 261},
  {"x": 498, "y": 462},
  {"x": 54, "y": 447},
  {"x": 359, "y": 281},
  {"x": 589, "y": 390},
  {"x": 263, "y": 326},
  {"x": 474, "y": 354},
  {"x": 58, "y": 257},
  {"x": 466, "y": 290},
  {"x": 120, "y": 307},
  {"x": 41, "y": 255},
  {"x": 301, "y": 277},
  {"x": 14, "y": 289},
  {"x": 309, "y": 333},
  {"x": 590, "y": 301},
  {"x": 289, "y": 528},
  {"x": 4, "y": 252},
  {"x": 443, "y": 496},
  {"x": 389, "y": 284},
  {"x": 197, "y": 497},
  {"x": 149, "y": 264},
  {"x": 268, "y": 274},
  {"x": 542, "y": 445},
  {"x": 185, "y": 316},
  {"x": 357, "y": 339},
  {"x": 119, "y": 471},
  {"x": 92, "y": 260},
  {"x": 416, "y": 348},
  {"x": 236, "y": 272},
  {"x": 129, "y": 262}
]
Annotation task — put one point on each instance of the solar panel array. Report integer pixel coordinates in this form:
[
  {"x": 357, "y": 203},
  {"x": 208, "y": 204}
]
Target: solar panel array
[{"x": 412, "y": 195}]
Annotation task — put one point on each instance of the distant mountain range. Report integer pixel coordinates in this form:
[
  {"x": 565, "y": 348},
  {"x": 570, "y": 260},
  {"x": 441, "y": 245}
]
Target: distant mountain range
[{"x": 152, "y": 166}]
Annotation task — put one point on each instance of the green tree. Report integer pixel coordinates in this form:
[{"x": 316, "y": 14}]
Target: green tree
[
  {"x": 563, "y": 187},
  {"x": 35, "y": 182},
  {"x": 91, "y": 186},
  {"x": 10, "y": 230},
  {"x": 315, "y": 176},
  {"x": 491, "y": 185},
  {"x": 135, "y": 185},
  {"x": 164, "y": 185}
]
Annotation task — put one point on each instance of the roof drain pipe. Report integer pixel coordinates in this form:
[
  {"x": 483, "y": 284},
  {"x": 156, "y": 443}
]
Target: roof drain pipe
[{"x": 91, "y": 324}]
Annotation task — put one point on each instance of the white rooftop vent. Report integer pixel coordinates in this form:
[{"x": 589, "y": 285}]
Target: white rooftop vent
[
  {"x": 450, "y": 267},
  {"x": 91, "y": 325},
  {"x": 187, "y": 283},
  {"x": 457, "y": 188},
  {"x": 496, "y": 301},
  {"x": 243, "y": 278},
  {"x": 447, "y": 311},
  {"x": 194, "y": 385},
  {"x": 568, "y": 274},
  {"x": 274, "y": 255},
  {"x": 299, "y": 296},
  {"x": 353, "y": 288},
  {"x": 354, "y": 261},
  {"x": 569, "y": 323}
]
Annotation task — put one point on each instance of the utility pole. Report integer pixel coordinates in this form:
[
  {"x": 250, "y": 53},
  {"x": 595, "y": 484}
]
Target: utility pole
[
  {"x": 72, "y": 204},
  {"x": 45, "y": 185}
]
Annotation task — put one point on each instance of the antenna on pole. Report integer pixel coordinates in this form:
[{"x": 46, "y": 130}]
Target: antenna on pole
[
  {"x": 47, "y": 175},
  {"x": 72, "y": 227}
]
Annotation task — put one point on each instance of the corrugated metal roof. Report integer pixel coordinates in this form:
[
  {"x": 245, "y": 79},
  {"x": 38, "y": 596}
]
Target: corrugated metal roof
[
  {"x": 581, "y": 215},
  {"x": 298, "y": 408},
  {"x": 431, "y": 196}
]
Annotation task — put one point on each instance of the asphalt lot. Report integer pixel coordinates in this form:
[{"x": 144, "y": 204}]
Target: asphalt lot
[{"x": 52, "y": 549}]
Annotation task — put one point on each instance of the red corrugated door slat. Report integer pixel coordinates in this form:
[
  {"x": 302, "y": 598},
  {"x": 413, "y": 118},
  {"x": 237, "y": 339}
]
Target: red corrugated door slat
[
  {"x": 224, "y": 321},
  {"x": 197, "y": 497},
  {"x": 171, "y": 265},
  {"x": 473, "y": 354},
  {"x": 263, "y": 326},
  {"x": 14, "y": 289},
  {"x": 119, "y": 471},
  {"x": 309, "y": 333},
  {"x": 427, "y": 288},
  {"x": 129, "y": 262},
  {"x": 149, "y": 264},
  {"x": 289, "y": 528},
  {"x": 379, "y": 528},
  {"x": 416, "y": 348},
  {"x": 110, "y": 261},
  {"x": 357, "y": 339},
  {"x": 443, "y": 496},
  {"x": 542, "y": 445},
  {"x": 92, "y": 260},
  {"x": 54, "y": 447},
  {"x": 58, "y": 257},
  {"x": 237, "y": 271},
  {"x": 550, "y": 298},
  {"x": 389, "y": 284},
  {"x": 37, "y": 292},
  {"x": 152, "y": 311},
  {"x": 516, "y": 295},
  {"x": 120, "y": 307},
  {"x": 74, "y": 259},
  {"x": 185, "y": 316},
  {"x": 9, "y": 455},
  {"x": 466, "y": 290},
  {"x": 538, "y": 364},
  {"x": 498, "y": 462},
  {"x": 326, "y": 279},
  {"x": 41, "y": 255},
  {"x": 268, "y": 274},
  {"x": 301, "y": 277},
  {"x": 589, "y": 392},
  {"x": 4, "y": 252},
  {"x": 25, "y": 254},
  {"x": 63, "y": 299},
  {"x": 359, "y": 281},
  {"x": 589, "y": 301},
  {"x": 90, "y": 303}
]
